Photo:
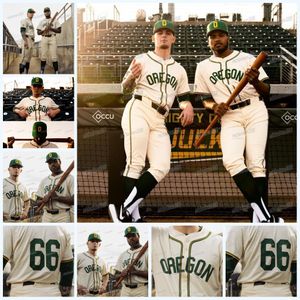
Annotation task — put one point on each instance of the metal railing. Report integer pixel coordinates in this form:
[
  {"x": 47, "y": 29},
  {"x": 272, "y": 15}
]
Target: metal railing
[{"x": 288, "y": 66}]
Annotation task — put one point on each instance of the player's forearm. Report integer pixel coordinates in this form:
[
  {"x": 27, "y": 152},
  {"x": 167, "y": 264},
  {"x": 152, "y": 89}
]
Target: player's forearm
[
  {"x": 66, "y": 270},
  {"x": 65, "y": 200},
  {"x": 56, "y": 30},
  {"x": 209, "y": 104},
  {"x": 231, "y": 262},
  {"x": 143, "y": 274},
  {"x": 23, "y": 34},
  {"x": 128, "y": 85},
  {"x": 262, "y": 88}
]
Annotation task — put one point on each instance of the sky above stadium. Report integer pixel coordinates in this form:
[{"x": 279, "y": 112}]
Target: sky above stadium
[{"x": 250, "y": 10}]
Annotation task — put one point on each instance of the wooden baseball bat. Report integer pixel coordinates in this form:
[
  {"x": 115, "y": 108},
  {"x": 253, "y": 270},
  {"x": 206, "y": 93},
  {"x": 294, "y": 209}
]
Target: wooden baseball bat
[
  {"x": 143, "y": 250},
  {"x": 256, "y": 64},
  {"x": 56, "y": 187},
  {"x": 58, "y": 140}
]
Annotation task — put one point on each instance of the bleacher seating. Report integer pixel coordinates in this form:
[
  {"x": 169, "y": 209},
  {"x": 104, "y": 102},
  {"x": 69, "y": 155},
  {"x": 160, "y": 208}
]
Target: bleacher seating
[
  {"x": 62, "y": 97},
  {"x": 129, "y": 39}
]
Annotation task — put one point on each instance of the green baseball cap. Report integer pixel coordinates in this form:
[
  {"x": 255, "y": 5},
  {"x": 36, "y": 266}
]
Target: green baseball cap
[
  {"x": 163, "y": 24},
  {"x": 216, "y": 25},
  {"x": 39, "y": 129},
  {"x": 15, "y": 162},
  {"x": 31, "y": 10},
  {"x": 131, "y": 229},
  {"x": 37, "y": 81},
  {"x": 52, "y": 156},
  {"x": 94, "y": 237}
]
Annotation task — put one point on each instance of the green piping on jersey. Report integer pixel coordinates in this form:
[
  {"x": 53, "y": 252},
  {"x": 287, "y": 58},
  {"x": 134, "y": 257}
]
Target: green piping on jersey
[
  {"x": 190, "y": 255},
  {"x": 232, "y": 255},
  {"x": 166, "y": 82},
  {"x": 130, "y": 140},
  {"x": 181, "y": 254},
  {"x": 162, "y": 69}
]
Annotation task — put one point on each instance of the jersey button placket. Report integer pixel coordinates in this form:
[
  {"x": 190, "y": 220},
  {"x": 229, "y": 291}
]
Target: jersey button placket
[{"x": 183, "y": 267}]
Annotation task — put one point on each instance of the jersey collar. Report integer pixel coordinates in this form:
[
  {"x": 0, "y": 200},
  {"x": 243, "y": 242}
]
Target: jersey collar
[
  {"x": 214, "y": 58},
  {"x": 160, "y": 59}
]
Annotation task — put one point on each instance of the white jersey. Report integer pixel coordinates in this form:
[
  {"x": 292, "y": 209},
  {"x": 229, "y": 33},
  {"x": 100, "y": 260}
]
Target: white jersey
[
  {"x": 65, "y": 190},
  {"x": 265, "y": 252},
  {"x": 33, "y": 144},
  {"x": 218, "y": 77},
  {"x": 126, "y": 258},
  {"x": 45, "y": 22},
  {"x": 36, "y": 252},
  {"x": 161, "y": 79},
  {"x": 28, "y": 25},
  {"x": 90, "y": 271},
  {"x": 37, "y": 108},
  {"x": 14, "y": 196},
  {"x": 186, "y": 265}
]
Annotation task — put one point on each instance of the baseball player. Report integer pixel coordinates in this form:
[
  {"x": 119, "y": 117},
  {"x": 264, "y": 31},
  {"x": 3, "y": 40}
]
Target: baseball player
[
  {"x": 135, "y": 283},
  {"x": 186, "y": 261},
  {"x": 48, "y": 28},
  {"x": 57, "y": 209},
  {"x": 245, "y": 122},
  {"x": 27, "y": 33},
  {"x": 37, "y": 107},
  {"x": 92, "y": 275},
  {"x": 41, "y": 260},
  {"x": 15, "y": 197},
  {"x": 39, "y": 134},
  {"x": 267, "y": 255},
  {"x": 155, "y": 79}
]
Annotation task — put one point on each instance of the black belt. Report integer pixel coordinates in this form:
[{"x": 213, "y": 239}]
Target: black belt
[
  {"x": 134, "y": 286},
  {"x": 32, "y": 283},
  {"x": 54, "y": 211},
  {"x": 15, "y": 218},
  {"x": 263, "y": 283},
  {"x": 93, "y": 292},
  {"x": 240, "y": 104},
  {"x": 49, "y": 35},
  {"x": 157, "y": 107}
]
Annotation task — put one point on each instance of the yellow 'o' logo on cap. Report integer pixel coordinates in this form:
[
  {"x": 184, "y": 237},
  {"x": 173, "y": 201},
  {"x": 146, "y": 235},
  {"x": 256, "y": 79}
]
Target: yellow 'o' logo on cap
[
  {"x": 215, "y": 24},
  {"x": 164, "y": 23},
  {"x": 39, "y": 129}
]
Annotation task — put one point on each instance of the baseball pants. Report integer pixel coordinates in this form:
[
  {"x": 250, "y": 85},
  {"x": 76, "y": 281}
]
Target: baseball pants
[
  {"x": 266, "y": 290},
  {"x": 37, "y": 289},
  {"x": 245, "y": 128},
  {"x": 27, "y": 52},
  {"x": 49, "y": 48},
  {"x": 140, "y": 291},
  {"x": 145, "y": 135},
  {"x": 62, "y": 217}
]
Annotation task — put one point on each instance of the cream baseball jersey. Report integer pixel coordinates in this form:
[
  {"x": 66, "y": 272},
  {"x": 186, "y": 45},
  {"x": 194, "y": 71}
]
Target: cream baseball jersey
[
  {"x": 161, "y": 79},
  {"x": 65, "y": 190},
  {"x": 36, "y": 252},
  {"x": 28, "y": 25},
  {"x": 265, "y": 252},
  {"x": 14, "y": 195},
  {"x": 37, "y": 108},
  {"x": 186, "y": 265},
  {"x": 45, "y": 22},
  {"x": 33, "y": 144},
  {"x": 90, "y": 270},
  {"x": 126, "y": 258},
  {"x": 218, "y": 76}
]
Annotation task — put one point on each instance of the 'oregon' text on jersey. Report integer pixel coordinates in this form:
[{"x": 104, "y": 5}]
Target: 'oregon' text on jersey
[
  {"x": 13, "y": 194},
  {"x": 162, "y": 78},
  {"x": 34, "y": 108},
  {"x": 226, "y": 74},
  {"x": 91, "y": 268},
  {"x": 199, "y": 268}
]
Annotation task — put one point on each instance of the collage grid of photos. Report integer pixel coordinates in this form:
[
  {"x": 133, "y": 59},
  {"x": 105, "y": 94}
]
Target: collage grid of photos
[{"x": 170, "y": 168}]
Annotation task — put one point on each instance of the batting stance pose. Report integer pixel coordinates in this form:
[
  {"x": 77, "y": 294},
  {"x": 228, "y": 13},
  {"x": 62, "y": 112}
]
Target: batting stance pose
[
  {"x": 155, "y": 80},
  {"x": 186, "y": 261},
  {"x": 41, "y": 260},
  {"x": 245, "y": 122},
  {"x": 92, "y": 276},
  {"x": 268, "y": 259}
]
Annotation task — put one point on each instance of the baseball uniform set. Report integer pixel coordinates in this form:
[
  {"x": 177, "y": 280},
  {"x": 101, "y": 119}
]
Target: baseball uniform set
[
  {"x": 133, "y": 285},
  {"x": 186, "y": 265},
  {"x": 91, "y": 269},
  {"x": 27, "y": 29},
  {"x": 14, "y": 195},
  {"x": 266, "y": 254},
  {"x": 55, "y": 211},
  {"x": 48, "y": 42},
  {"x": 35, "y": 255}
]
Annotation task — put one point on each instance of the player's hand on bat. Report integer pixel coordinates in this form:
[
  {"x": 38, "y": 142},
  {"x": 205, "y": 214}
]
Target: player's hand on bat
[
  {"x": 124, "y": 273},
  {"x": 220, "y": 109},
  {"x": 65, "y": 290},
  {"x": 187, "y": 115},
  {"x": 135, "y": 69},
  {"x": 252, "y": 75}
]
